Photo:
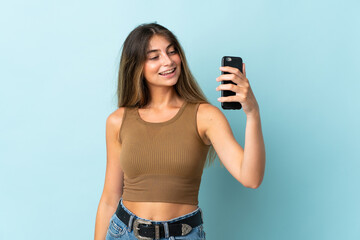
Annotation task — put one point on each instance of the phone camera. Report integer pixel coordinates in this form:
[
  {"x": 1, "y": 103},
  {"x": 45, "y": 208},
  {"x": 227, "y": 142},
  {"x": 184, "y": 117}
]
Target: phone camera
[{"x": 228, "y": 59}]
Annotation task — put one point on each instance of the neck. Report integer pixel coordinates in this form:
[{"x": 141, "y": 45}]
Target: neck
[{"x": 163, "y": 98}]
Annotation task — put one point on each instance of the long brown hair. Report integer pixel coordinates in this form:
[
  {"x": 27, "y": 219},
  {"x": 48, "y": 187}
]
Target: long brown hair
[{"x": 132, "y": 90}]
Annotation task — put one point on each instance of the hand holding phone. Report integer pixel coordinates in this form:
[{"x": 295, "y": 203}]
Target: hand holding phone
[{"x": 235, "y": 62}]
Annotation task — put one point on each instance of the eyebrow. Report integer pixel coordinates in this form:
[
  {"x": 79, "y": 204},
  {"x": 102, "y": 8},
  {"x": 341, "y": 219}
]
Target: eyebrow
[{"x": 156, "y": 50}]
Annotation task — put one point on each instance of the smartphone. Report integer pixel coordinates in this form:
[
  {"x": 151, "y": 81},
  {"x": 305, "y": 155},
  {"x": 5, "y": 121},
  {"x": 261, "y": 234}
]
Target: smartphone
[{"x": 232, "y": 62}]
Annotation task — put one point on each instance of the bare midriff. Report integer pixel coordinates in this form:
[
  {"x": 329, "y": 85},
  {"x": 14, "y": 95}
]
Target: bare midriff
[{"x": 159, "y": 211}]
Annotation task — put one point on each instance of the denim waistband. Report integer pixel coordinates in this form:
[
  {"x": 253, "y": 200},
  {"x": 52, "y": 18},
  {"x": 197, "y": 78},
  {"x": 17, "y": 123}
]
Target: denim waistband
[{"x": 132, "y": 215}]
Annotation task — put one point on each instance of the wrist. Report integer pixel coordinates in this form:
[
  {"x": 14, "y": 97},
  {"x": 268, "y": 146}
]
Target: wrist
[{"x": 253, "y": 114}]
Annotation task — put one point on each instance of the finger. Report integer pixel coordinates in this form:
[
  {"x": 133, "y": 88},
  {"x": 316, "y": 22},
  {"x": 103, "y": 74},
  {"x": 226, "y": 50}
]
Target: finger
[
  {"x": 232, "y": 98},
  {"x": 231, "y": 87},
  {"x": 226, "y": 86},
  {"x": 231, "y": 77},
  {"x": 244, "y": 72},
  {"x": 231, "y": 70}
]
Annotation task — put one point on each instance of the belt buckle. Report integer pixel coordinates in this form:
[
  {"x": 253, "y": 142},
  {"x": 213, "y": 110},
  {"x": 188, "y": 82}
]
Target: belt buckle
[
  {"x": 185, "y": 229},
  {"x": 136, "y": 228}
]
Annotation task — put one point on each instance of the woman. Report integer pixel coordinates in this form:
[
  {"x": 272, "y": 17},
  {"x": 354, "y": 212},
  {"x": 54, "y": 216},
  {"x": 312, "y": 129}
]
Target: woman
[{"x": 159, "y": 139}]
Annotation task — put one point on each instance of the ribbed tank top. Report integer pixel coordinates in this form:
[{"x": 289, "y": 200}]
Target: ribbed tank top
[{"x": 162, "y": 161}]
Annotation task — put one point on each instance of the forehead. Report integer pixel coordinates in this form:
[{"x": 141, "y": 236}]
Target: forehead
[{"x": 158, "y": 42}]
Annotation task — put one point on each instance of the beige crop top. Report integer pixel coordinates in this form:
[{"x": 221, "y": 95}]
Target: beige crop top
[{"x": 162, "y": 162}]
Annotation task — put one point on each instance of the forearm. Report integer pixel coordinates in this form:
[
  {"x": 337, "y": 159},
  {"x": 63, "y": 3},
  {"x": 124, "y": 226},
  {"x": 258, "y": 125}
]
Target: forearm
[
  {"x": 103, "y": 216},
  {"x": 253, "y": 164}
]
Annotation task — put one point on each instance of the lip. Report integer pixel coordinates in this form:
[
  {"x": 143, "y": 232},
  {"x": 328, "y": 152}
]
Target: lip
[
  {"x": 170, "y": 75},
  {"x": 168, "y": 70}
]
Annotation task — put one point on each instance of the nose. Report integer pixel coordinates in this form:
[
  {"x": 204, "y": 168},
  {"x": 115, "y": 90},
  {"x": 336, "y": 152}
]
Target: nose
[{"x": 166, "y": 60}]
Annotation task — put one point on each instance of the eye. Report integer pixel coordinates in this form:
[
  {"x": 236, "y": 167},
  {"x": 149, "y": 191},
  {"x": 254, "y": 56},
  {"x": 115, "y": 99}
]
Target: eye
[
  {"x": 153, "y": 58},
  {"x": 173, "y": 52}
]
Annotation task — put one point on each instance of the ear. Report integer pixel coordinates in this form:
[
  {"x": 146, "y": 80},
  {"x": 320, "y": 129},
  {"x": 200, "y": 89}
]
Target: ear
[{"x": 244, "y": 72}]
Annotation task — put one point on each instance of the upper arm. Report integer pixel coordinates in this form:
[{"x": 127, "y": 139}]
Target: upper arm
[
  {"x": 218, "y": 131},
  {"x": 114, "y": 176}
]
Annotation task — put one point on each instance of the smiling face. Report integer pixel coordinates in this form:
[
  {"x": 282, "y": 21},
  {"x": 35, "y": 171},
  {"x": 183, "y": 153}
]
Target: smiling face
[{"x": 163, "y": 64}]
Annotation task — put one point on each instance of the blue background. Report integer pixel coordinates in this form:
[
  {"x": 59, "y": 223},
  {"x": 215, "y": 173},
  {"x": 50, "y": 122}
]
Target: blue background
[{"x": 59, "y": 63}]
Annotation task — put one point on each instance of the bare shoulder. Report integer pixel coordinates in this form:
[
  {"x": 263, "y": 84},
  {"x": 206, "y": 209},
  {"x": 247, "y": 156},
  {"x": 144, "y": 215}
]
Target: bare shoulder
[
  {"x": 207, "y": 115},
  {"x": 114, "y": 120},
  {"x": 208, "y": 112}
]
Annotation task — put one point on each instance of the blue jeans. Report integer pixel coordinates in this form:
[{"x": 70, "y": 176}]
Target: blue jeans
[{"x": 119, "y": 230}]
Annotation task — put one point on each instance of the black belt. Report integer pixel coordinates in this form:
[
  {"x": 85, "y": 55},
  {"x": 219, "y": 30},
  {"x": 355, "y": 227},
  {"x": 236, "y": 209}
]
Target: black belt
[{"x": 148, "y": 230}]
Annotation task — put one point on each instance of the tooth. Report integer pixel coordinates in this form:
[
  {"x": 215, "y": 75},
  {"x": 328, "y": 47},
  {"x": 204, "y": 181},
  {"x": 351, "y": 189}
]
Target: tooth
[{"x": 168, "y": 71}]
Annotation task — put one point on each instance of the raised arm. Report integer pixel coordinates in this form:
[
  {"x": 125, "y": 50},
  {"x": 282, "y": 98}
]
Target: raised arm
[{"x": 246, "y": 165}]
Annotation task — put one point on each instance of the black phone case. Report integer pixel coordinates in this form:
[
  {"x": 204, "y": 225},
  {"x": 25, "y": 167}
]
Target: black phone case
[{"x": 237, "y": 63}]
